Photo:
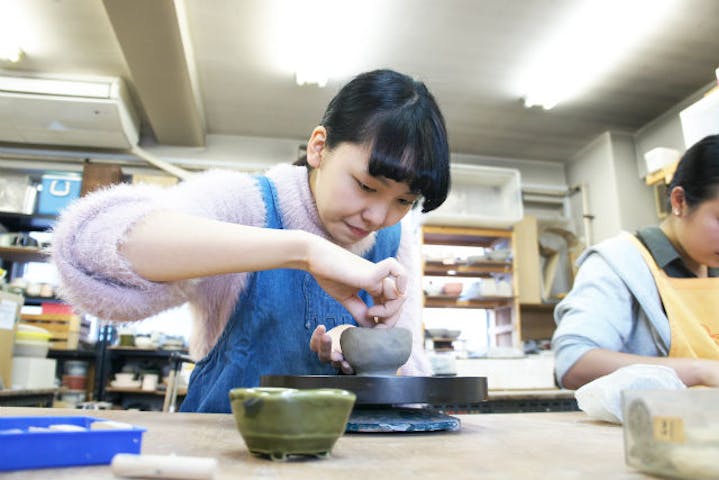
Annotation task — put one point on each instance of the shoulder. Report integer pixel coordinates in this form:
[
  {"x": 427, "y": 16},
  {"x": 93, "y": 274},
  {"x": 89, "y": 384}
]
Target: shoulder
[
  {"x": 224, "y": 195},
  {"x": 618, "y": 252},
  {"x": 294, "y": 199},
  {"x": 289, "y": 179}
]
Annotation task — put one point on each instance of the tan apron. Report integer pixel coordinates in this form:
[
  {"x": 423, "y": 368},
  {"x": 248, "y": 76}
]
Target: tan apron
[{"x": 692, "y": 306}]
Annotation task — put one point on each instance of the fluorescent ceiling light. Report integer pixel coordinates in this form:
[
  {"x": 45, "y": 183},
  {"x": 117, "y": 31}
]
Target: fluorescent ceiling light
[
  {"x": 317, "y": 40},
  {"x": 10, "y": 53},
  {"x": 46, "y": 86},
  {"x": 11, "y": 31},
  {"x": 587, "y": 45}
]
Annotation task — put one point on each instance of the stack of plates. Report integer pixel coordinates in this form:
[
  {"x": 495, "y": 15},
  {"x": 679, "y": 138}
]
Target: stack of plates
[{"x": 124, "y": 384}]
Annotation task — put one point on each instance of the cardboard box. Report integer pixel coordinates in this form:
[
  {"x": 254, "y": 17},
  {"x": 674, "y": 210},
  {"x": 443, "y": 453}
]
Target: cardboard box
[
  {"x": 10, "y": 305},
  {"x": 99, "y": 175},
  {"x": 65, "y": 328}
]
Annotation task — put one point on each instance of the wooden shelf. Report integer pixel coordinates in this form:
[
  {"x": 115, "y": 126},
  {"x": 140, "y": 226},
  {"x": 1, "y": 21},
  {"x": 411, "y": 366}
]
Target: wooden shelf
[
  {"x": 480, "y": 269},
  {"x": 23, "y": 254},
  {"x": 442, "y": 235},
  {"x": 463, "y": 266},
  {"x": 446, "y": 301},
  {"x": 72, "y": 354},
  {"x": 143, "y": 352},
  {"x": 180, "y": 391}
]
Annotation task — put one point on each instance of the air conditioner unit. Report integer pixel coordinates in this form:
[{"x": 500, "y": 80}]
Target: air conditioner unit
[{"x": 77, "y": 113}]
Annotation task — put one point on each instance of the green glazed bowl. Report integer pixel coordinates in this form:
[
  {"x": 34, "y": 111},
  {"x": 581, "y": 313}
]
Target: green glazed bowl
[{"x": 278, "y": 422}]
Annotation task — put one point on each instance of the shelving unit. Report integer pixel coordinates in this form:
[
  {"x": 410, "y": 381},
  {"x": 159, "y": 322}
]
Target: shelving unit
[
  {"x": 115, "y": 357},
  {"x": 91, "y": 390},
  {"x": 12, "y": 257},
  {"x": 504, "y": 329}
]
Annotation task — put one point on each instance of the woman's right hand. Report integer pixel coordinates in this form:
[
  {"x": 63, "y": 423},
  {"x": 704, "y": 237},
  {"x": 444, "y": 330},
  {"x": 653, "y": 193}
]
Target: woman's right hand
[{"x": 343, "y": 274}]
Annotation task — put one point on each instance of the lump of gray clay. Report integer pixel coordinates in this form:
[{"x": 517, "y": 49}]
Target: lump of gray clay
[{"x": 376, "y": 351}]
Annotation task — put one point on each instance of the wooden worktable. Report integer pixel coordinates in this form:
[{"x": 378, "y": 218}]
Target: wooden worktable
[{"x": 527, "y": 445}]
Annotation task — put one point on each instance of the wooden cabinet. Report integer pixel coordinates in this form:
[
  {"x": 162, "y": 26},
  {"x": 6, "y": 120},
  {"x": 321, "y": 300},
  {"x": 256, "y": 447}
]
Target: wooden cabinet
[{"x": 481, "y": 260}]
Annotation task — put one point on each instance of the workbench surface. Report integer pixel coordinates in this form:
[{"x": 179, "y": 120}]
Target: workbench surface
[{"x": 524, "y": 445}]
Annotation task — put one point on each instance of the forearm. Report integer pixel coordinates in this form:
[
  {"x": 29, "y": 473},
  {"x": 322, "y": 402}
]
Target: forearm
[
  {"x": 598, "y": 362},
  {"x": 167, "y": 246}
]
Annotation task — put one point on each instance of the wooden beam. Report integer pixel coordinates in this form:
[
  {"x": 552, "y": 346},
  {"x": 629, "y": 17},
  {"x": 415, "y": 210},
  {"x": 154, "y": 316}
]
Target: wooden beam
[{"x": 149, "y": 35}]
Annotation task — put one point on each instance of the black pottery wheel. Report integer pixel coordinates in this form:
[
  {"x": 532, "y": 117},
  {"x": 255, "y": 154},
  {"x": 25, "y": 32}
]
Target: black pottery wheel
[
  {"x": 391, "y": 389},
  {"x": 376, "y": 408}
]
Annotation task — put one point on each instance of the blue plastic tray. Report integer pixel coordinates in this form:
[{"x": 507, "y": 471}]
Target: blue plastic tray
[{"x": 26, "y": 449}]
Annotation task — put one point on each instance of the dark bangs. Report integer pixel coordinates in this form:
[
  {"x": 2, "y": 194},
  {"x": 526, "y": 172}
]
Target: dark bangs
[
  {"x": 398, "y": 118},
  {"x": 403, "y": 150}
]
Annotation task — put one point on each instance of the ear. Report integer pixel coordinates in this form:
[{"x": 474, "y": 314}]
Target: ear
[
  {"x": 678, "y": 201},
  {"x": 315, "y": 145}
]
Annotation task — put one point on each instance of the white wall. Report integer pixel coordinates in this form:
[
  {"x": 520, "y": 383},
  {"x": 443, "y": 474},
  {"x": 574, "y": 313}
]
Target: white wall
[
  {"x": 635, "y": 198},
  {"x": 618, "y": 198},
  {"x": 664, "y": 131},
  {"x": 593, "y": 168}
]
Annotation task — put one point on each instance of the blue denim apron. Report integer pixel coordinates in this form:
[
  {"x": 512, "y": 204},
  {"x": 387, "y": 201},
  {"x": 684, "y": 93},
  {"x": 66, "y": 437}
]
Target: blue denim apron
[{"x": 270, "y": 329}]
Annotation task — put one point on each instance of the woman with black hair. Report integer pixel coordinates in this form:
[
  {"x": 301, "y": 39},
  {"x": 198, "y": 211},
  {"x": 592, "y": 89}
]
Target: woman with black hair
[
  {"x": 274, "y": 265},
  {"x": 652, "y": 297}
]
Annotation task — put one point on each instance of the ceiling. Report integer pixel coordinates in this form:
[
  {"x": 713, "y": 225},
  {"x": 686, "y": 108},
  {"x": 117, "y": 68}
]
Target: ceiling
[{"x": 227, "y": 80}]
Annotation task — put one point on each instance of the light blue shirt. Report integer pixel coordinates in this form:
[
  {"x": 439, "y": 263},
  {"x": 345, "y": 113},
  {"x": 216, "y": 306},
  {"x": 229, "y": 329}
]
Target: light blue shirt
[{"x": 614, "y": 304}]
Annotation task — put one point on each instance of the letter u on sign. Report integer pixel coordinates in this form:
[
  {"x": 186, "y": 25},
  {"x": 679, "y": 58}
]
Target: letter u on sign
[{"x": 60, "y": 188}]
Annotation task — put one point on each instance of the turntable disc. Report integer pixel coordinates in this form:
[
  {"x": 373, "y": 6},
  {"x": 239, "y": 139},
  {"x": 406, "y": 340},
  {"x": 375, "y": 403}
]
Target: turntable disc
[{"x": 391, "y": 390}]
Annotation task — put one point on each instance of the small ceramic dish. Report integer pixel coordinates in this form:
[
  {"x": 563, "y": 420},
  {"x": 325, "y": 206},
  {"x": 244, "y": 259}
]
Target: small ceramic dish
[
  {"x": 453, "y": 289},
  {"x": 280, "y": 422},
  {"x": 443, "y": 333}
]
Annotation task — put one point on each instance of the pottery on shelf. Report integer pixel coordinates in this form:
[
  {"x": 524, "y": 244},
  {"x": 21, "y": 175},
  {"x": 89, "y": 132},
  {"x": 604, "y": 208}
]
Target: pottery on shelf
[
  {"x": 376, "y": 351},
  {"x": 279, "y": 422}
]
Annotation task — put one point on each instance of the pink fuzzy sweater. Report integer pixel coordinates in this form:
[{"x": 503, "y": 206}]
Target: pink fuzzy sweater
[{"x": 97, "y": 279}]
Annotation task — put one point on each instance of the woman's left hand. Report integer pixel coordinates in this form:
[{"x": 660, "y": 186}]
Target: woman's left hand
[{"x": 327, "y": 346}]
